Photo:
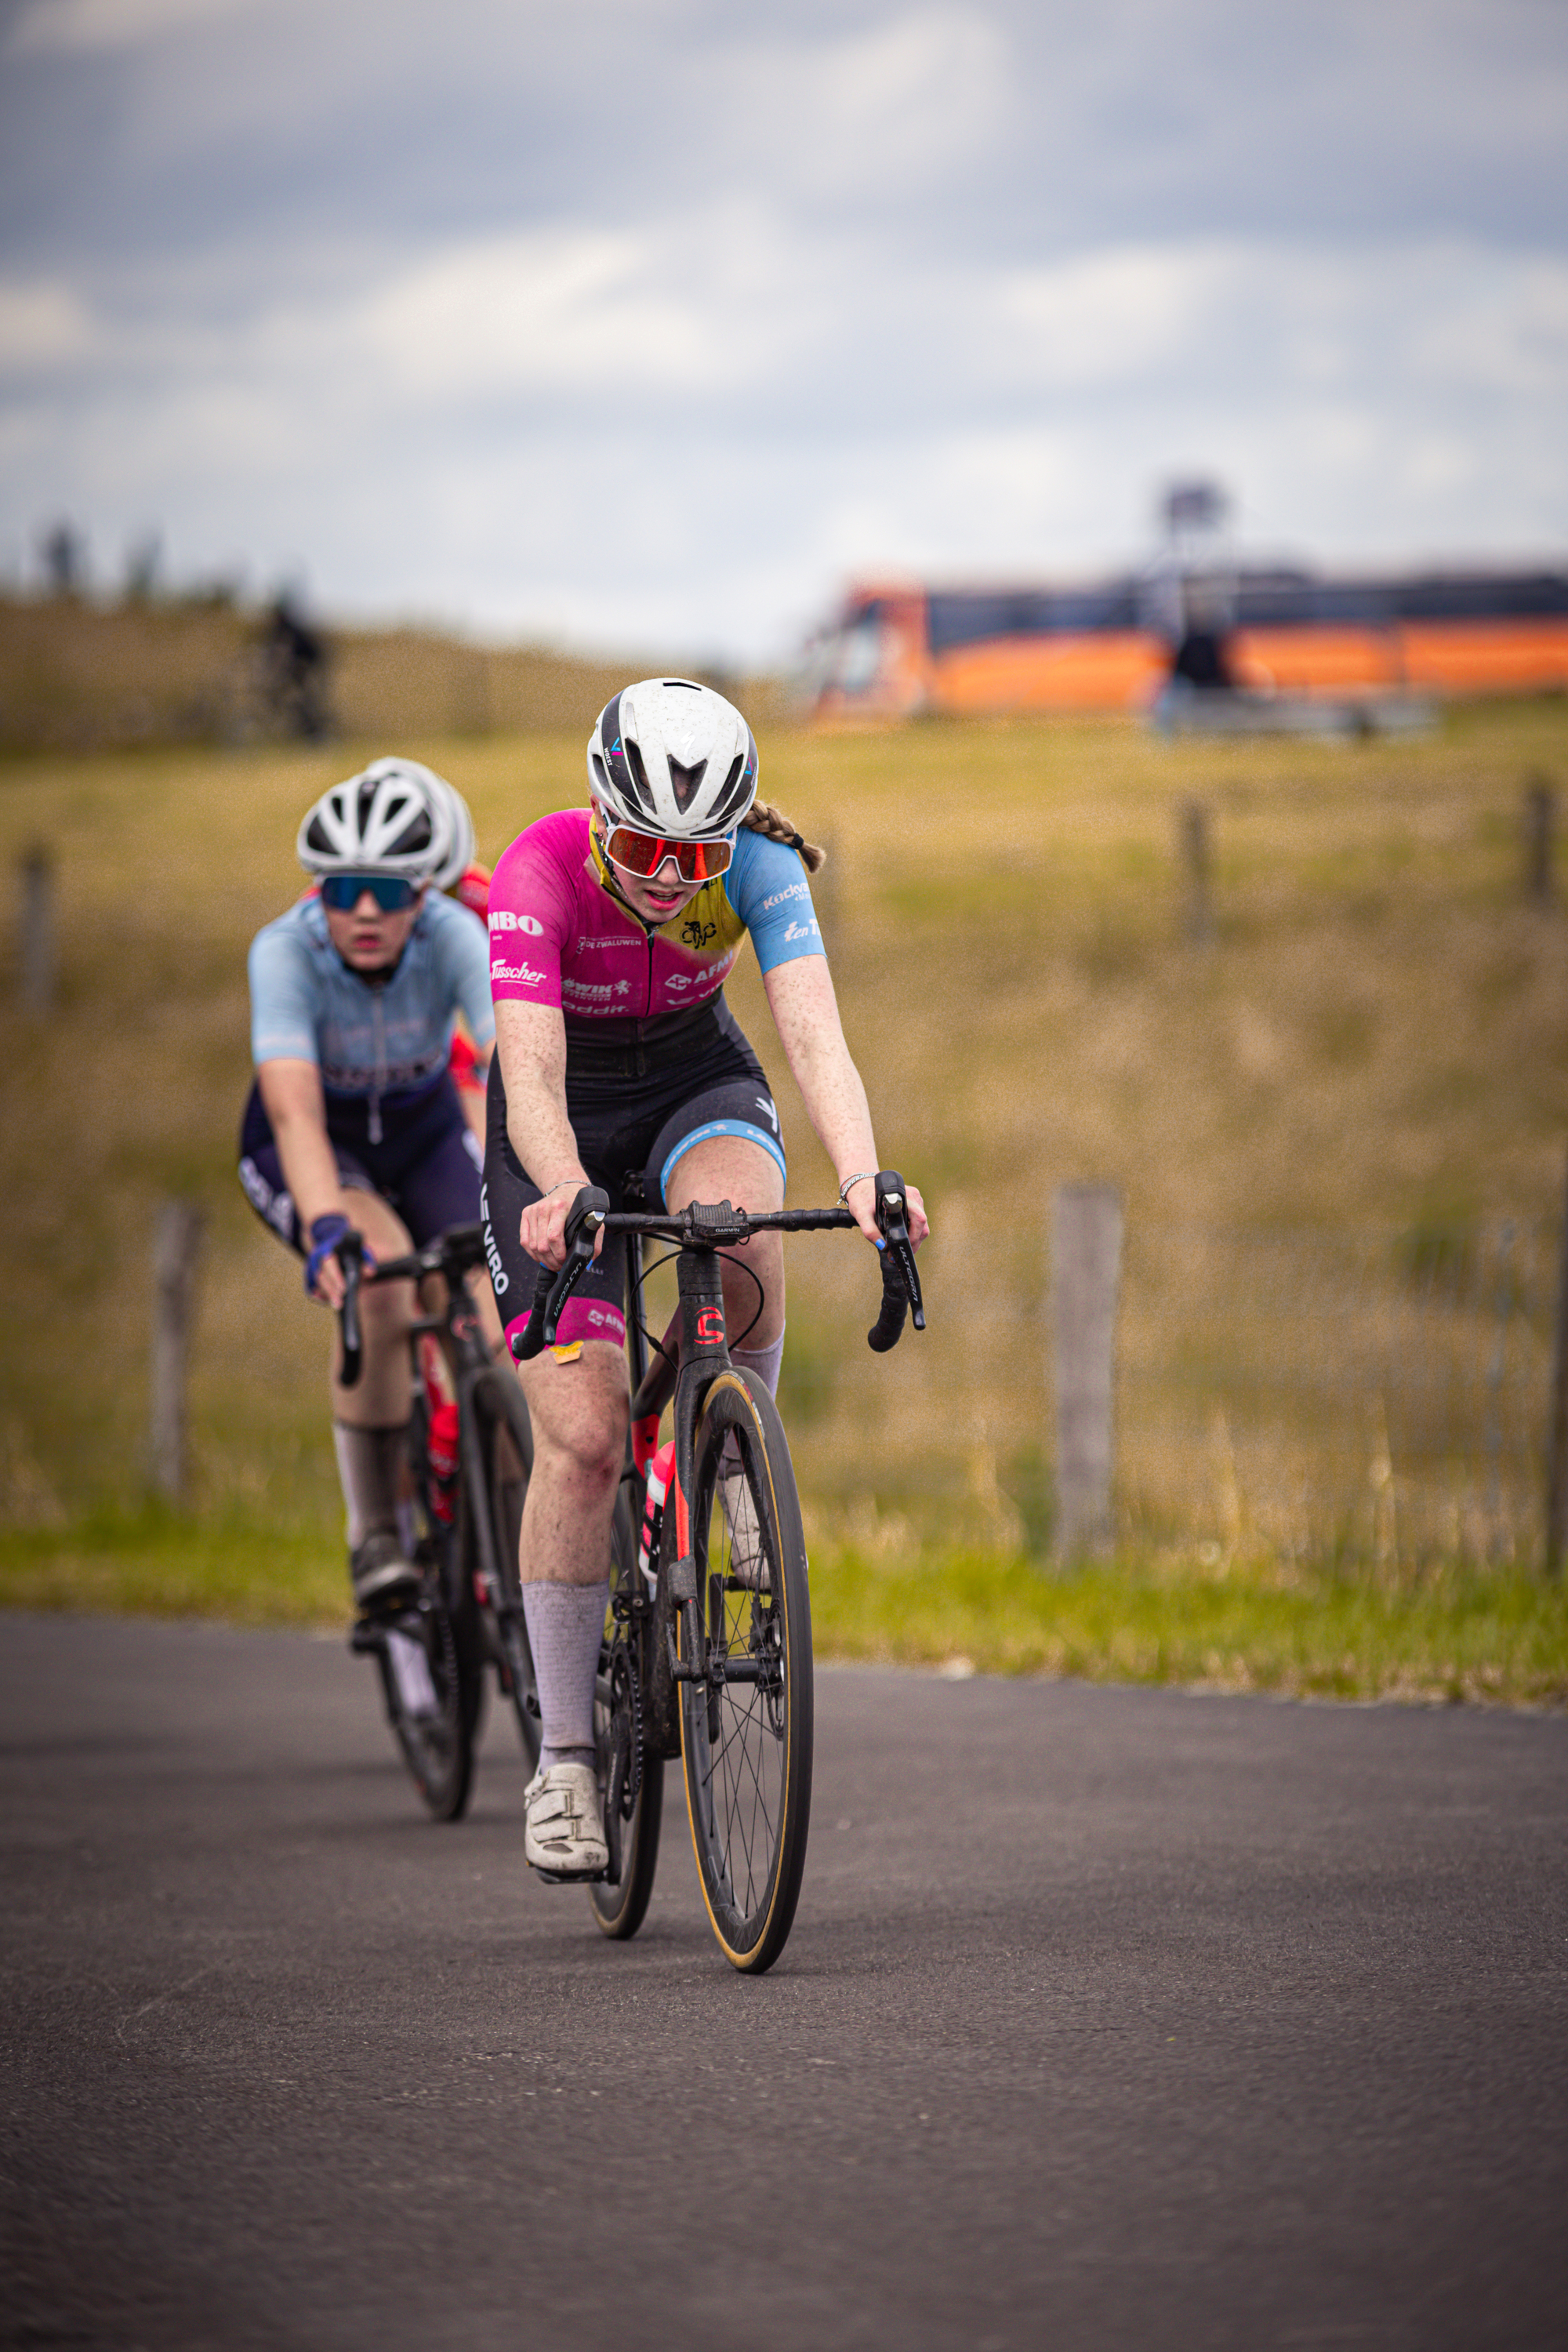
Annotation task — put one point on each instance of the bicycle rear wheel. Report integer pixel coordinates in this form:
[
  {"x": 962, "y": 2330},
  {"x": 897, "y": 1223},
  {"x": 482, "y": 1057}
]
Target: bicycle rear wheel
[
  {"x": 506, "y": 1453},
  {"x": 746, "y": 1732},
  {"x": 631, "y": 1781}
]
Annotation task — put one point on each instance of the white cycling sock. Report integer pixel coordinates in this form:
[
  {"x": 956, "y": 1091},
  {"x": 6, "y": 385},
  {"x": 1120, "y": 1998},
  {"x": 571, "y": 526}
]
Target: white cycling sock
[
  {"x": 764, "y": 1362},
  {"x": 369, "y": 1464},
  {"x": 566, "y": 1626}
]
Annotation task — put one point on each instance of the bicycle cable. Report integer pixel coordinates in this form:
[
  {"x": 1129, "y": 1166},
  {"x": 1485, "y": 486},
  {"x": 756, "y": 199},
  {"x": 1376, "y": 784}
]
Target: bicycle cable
[{"x": 740, "y": 1267}]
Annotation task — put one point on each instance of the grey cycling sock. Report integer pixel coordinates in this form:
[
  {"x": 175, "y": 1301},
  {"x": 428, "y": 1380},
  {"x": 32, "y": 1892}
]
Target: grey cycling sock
[
  {"x": 369, "y": 1464},
  {"x": 764, "y": 1362},
  {"x": 566, "y": 1626}
]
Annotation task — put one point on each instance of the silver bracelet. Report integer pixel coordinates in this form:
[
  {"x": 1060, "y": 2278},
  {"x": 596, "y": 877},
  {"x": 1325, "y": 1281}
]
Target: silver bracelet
[{"x": 867, "y": 1176}]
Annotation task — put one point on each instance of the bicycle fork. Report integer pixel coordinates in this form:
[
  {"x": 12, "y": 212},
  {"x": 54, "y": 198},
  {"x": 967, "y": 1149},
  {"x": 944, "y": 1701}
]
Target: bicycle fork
[{"x": 704, "y": 1353}]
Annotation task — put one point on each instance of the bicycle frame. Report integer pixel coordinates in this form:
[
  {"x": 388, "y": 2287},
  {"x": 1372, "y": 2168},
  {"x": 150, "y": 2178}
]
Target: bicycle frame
[
  {"x": 704, "y": 1352},
  {"x": 456, "y": 1331},
  {"x": 701, "y": 1232}
]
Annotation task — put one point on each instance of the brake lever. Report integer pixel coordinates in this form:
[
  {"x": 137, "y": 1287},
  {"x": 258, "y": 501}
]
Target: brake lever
[
  {"x": 586, "y": 1215},
  {"x": 350, "y": 1255},
  {"x": 900, "y": 1281},
  {"x": 893, "y": 1216}
]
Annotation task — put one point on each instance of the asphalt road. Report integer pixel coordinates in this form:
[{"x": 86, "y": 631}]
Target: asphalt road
[{"x": 1110, "y": 2018}]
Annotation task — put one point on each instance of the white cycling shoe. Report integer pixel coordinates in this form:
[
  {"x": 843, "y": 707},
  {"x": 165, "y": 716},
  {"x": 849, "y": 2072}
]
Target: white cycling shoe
[{"x": 563, "y": 1831}]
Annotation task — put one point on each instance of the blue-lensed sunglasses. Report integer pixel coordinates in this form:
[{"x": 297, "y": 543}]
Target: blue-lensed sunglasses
[{"x": 343, "y": 892}]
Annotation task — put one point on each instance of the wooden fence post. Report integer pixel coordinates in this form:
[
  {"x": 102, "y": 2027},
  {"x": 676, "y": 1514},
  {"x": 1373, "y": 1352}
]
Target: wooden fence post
[
  {"x": 1557, "y": 1422},
  {"x": 41, "y": 961},
  {"x": 1198, "y": 861},
  {"x": 1539, "y": 825},
  {"x": 1086, "y": 1262},
  {"x": 179, "y": 1241}
]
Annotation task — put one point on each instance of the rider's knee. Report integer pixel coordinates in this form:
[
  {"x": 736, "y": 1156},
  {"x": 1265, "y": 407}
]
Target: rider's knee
[
  {"x": 585, "y": 1426},
  {"x": 591, "y": 1450},
  {"x": 384, "y": 1311}
]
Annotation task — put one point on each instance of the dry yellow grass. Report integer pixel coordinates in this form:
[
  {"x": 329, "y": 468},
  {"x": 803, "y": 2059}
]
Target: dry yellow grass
[
  {"x": 75, "y": 675},
  {"x": 1376, "y": 1037}
]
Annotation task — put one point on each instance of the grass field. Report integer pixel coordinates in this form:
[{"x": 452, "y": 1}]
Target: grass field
[{"x": 1374, "y": 1041}]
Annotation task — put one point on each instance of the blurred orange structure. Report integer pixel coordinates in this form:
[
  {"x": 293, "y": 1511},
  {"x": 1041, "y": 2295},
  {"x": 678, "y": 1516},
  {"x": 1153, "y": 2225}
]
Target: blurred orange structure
[{"x": 894, "y": 649}]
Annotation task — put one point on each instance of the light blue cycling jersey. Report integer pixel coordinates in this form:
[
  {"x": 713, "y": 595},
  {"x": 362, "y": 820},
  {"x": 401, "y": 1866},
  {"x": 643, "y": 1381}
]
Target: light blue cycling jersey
[{"x": 371, "y": 1037}]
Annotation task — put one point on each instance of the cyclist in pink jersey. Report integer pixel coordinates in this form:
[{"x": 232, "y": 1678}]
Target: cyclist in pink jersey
[{"x": 612, "y": 931}]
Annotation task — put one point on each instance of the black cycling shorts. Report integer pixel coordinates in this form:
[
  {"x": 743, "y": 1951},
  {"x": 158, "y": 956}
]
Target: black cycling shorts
[
  {"x": 633, "y": 1113},
  {"x": 425, "y": 1161}
]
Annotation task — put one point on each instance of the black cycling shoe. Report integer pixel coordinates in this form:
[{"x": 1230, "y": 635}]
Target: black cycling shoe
[{"x": 380, "y": 1571}]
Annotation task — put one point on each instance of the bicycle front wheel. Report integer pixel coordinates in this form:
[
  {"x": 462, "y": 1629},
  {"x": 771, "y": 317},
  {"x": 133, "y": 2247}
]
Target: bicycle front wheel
[{"x": 746, "y": 1728}]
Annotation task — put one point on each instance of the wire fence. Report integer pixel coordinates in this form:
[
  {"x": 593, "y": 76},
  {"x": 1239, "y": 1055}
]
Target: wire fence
[{"x": 1367, "y": 1395}]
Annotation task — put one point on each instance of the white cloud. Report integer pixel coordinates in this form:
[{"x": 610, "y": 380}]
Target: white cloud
[
  {"x": 896, "y": 105},
  {"x": 559, "y": 307},
  {"x": 1103, "y": 317},
  {"x": 67, "y": 27},
  {"x": 42, "y": 325}
]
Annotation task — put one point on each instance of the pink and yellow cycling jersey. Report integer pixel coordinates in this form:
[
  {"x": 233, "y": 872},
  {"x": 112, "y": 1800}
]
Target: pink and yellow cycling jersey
[{"x": 559, "y": 936}]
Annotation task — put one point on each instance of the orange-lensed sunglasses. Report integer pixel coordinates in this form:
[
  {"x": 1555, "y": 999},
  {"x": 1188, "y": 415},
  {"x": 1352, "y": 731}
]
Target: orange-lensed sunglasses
[{"x": 645, "y": 852}]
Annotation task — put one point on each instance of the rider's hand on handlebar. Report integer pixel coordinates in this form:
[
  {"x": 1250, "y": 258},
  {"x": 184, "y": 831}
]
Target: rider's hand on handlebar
[
  {"x": 543, "y": 1225},
  {"x": 861, "y": 1201},
  {"x": 323, "y": 1274}
]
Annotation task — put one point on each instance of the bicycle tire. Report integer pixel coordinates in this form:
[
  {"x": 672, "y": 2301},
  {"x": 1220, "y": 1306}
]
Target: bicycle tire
[
  {"x": 506, "y": 1446},
  {"x": 619, "y": 1909},
  {"x": 437, "y": 1743},
  {"x": 746, "y": 1744}
]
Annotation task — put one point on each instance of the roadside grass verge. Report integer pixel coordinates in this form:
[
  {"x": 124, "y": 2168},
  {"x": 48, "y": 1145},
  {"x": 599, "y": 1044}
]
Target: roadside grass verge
[
  {"x": 1458, "y": 1635},
  {"x": 1454, "y": 1635},
  {"x": 158, "y": 1563}
]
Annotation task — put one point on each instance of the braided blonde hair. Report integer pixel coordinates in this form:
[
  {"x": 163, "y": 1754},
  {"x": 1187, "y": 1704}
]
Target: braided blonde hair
[{"x": 763, "y": 818}]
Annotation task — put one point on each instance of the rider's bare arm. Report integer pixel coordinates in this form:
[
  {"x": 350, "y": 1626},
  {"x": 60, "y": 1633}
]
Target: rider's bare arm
[
  {"x": 532, "y": 1041},
  {"x": 291, "y": 1095},
  {"x": 806, "y": 1010}
]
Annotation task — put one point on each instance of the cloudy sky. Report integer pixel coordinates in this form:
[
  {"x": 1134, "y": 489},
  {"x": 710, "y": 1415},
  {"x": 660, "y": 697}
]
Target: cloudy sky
[{"x": 650, "y": 322}]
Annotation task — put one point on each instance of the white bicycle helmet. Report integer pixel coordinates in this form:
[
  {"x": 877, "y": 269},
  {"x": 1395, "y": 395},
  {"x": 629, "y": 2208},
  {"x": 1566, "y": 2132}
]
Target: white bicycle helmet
[
  {"x": 673, "y": 758},
  {"x": 397, "y": 818}
]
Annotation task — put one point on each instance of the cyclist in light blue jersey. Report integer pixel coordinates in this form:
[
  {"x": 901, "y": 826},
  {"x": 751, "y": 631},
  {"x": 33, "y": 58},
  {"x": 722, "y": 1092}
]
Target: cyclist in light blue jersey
[{"x": 354, "y": 992}]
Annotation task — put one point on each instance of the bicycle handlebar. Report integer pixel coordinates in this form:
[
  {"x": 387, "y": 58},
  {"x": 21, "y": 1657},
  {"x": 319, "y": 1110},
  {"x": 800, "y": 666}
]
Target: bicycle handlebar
[
  {"x": 451, "y": 1254},
  {"x": 901, "y": 1283},
  {"x": 350, "y": 1255},
  {"x": 716, "y": 1226}
]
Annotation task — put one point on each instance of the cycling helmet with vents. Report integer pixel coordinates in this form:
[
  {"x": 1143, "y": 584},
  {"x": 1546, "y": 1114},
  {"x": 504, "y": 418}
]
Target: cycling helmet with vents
[
  {"x": 395, "y": 818},
  {"x": 673, "y": 758}
]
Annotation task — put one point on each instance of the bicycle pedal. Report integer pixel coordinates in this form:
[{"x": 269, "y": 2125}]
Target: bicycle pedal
[{"x": 569, "y": 1877}]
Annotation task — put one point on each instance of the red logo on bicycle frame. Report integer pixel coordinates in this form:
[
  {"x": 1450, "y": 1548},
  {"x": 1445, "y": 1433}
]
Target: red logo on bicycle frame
[{"x": 710, "y": 1326}]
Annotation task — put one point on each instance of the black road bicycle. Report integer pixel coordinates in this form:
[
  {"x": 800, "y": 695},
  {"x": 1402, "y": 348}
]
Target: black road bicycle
[
  {"x": 708, "y": 1647},
  {"x": 468, "y": 1509}
]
